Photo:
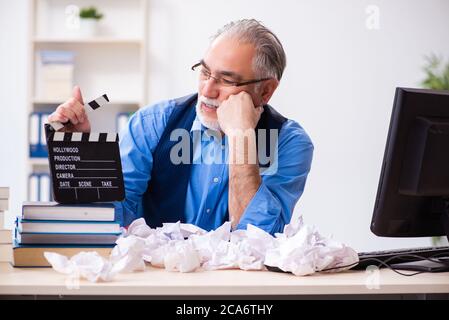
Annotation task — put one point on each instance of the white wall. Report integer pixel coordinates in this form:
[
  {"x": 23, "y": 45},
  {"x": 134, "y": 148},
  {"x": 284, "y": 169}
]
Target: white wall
[
  {"x": 339, "y": 84},
  {"x": 13, "y": 95}
]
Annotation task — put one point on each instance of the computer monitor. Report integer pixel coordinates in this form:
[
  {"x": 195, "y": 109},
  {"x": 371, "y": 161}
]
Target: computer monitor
[{"x": 413, "y": 192}]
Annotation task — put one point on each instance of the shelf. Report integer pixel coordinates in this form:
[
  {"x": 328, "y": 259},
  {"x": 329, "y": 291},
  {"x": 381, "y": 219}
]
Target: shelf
[
  {"x": 112, "y": 102},
  {"x": 98, "y": 40},
  {"x": 39, "y": 161}
]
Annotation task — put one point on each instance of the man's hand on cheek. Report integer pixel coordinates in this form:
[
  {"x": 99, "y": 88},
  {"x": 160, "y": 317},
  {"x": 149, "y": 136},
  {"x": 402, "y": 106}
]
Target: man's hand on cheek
[{"x": 237, "y": 113}]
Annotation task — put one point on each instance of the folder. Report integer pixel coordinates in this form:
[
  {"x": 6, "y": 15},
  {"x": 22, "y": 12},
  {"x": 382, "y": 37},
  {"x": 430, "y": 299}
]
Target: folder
[
  {"x": 45, "y": 187},
  {"x": 38, "y": 143},
  {"x": 39, "y": 187},
  {"x": 42, "y": 139},
  {"x": 33, "y": 187},
  {"x": 34, "y": 122}
]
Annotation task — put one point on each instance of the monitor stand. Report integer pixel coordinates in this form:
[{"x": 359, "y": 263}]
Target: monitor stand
[
  {"x": 445, "y": 217},
  {"x": 438, "y": 264}
]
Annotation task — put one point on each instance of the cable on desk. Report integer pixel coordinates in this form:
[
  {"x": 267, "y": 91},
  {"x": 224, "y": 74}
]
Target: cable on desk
[{"x": 401, "y": 256}]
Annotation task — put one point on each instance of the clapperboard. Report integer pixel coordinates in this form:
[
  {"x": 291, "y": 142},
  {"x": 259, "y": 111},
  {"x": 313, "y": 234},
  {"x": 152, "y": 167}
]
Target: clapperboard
[{"x": 85, "y": 167}]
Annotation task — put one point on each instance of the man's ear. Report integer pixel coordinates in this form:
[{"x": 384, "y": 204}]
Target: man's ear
[{"x": 267, "y": 89}]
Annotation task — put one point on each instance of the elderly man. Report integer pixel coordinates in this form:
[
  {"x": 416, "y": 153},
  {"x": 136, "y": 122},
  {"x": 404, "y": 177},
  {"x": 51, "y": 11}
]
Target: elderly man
[{"x": 230, "y": 119}]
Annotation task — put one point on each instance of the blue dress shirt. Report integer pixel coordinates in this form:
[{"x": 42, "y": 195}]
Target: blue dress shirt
[{"x": 207, "y": 192}]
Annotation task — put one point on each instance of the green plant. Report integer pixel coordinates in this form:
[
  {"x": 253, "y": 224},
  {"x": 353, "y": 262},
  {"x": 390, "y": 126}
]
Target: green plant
[
  {"x": 90, "y": 13},
  {"x": 437, "y": 74}
]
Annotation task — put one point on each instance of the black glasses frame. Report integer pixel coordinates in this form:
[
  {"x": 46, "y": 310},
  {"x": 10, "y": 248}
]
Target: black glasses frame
[{"x": 235, "y": 84}]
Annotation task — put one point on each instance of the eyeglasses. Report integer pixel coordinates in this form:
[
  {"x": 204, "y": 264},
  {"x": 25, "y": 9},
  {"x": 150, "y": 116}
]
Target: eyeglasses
[{"x": 225, "y": 81}]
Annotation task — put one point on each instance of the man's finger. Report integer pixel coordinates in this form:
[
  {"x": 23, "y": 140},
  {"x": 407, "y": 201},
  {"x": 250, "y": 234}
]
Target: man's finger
[
  {"x": 77, "y": 94},
  {"x": 78, "y": 109},
  {"x": 57, "y": 117},
  {"x": 67, "y": 112}
]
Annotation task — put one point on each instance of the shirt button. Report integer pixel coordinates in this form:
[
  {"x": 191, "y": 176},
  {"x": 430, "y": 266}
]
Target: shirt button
[
  {"x": 223, "y": 146},
  {"x": 216, "y": 179},
  {"x": 208, "y": 210}
]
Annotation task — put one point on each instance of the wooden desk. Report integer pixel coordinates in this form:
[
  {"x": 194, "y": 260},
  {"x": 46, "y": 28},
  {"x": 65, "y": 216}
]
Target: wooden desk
[{"x": 157, "y": 282}]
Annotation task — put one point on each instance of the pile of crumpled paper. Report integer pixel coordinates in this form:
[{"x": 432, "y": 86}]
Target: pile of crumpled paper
[{"x": 300, "y": 249}]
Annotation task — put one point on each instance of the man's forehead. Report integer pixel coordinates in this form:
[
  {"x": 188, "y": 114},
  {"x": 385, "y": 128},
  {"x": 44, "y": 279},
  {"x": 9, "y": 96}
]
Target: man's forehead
[
  {"x": 230, "y": 73},
  {"x": 230, "y": 55}
]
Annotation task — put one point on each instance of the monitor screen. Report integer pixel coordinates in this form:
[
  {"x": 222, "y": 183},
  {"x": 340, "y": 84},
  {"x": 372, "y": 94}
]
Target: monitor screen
[{"x": 413, "y": 192}]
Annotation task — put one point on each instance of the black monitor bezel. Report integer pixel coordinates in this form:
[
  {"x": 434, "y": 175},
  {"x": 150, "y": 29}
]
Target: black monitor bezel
[{"x": 395, "y": 214}]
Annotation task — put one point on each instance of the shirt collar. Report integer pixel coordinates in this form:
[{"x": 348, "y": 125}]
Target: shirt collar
[{"x": 198, "y": 126}]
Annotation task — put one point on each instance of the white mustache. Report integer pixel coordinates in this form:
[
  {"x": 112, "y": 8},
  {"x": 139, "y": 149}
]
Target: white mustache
[{"x": 210, "y": 102}]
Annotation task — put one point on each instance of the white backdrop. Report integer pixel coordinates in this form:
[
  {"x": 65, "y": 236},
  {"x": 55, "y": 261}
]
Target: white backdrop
[
  {"x": 13, "y": 99},
  {"x": 342, "y": 68}
]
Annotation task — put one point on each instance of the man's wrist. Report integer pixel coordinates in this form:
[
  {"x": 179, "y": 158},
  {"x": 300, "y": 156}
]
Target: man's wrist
[{"x": 242, "y": 147}]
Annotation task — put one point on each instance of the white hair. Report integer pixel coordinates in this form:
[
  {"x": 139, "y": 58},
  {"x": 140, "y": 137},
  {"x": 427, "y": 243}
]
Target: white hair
[{"x": 270, "y": 59}]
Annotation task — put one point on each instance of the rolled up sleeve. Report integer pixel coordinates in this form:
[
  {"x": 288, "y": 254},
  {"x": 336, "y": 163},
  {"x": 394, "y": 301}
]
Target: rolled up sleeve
[{"x": 272, "y": 206}]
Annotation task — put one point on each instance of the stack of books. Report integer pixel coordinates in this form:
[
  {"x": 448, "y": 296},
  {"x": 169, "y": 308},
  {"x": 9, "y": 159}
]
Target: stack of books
[
  {"x": 64, "y": 229},
  {"x": 5, "y": 234},
  {"x": 55, "y": 74}
]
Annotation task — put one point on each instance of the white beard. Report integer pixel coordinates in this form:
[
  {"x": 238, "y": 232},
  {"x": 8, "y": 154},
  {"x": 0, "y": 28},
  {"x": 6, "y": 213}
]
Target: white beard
[{"x": 208, "y": 123}]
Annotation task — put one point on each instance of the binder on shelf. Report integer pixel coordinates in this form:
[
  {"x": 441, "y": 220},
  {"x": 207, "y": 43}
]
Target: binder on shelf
[
  {"x": 45, "y": 188},
  {"x": 33, "y": 187},
  {"x": 37, "y": 141},
  {"x": 39, "y": 187},
  {"x": 42, "y": 139},
  {"x": 34, "y": 123}
]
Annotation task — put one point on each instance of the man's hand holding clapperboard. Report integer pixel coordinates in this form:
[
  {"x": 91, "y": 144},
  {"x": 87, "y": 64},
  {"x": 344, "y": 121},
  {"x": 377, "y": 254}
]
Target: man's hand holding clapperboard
[
  {"x": 85, "y": 166},
  {"x": 72, "y": 114}
]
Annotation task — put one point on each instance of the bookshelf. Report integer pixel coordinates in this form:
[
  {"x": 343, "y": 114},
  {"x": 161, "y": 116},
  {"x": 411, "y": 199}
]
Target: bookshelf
[
  {"x": 96, "y": 40},
  {"x": 113, "y": 61}
]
